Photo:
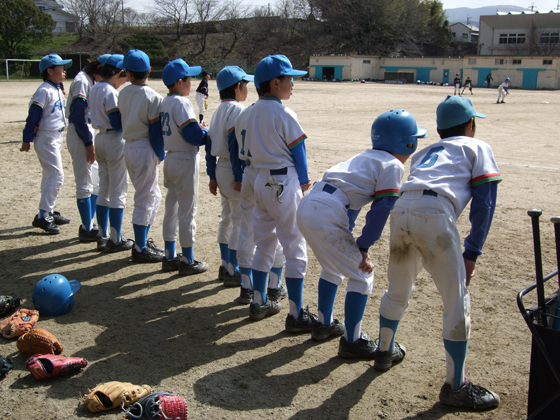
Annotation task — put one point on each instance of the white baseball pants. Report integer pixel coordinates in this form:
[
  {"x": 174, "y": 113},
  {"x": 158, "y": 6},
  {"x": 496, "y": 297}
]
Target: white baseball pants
[
  {"x": 246, "y": 247},
  {"x": 200, "y": 98},
  {"x": 323, "y": 221},
  {"x": 180, "y": 177},
  {"x": 275, "y": 221},
  {"x": 142, "y": 164},
  {"x": 85, "y": 174},
  {"x": 113, "y": 177},
  {"x": 424, "y": 234},
  {"x": 48, "y": 145},
  {"x": 501, "y": 94},
  {"x": 230, "y": 222}
]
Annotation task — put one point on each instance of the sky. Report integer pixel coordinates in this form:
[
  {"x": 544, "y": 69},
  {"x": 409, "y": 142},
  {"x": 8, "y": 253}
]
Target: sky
[{"x": 144, "y": 5}]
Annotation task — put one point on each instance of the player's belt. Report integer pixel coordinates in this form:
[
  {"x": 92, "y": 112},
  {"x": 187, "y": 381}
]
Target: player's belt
[
  {"x": 430, "y": 192},
  {"x": 283, "y": 171}
]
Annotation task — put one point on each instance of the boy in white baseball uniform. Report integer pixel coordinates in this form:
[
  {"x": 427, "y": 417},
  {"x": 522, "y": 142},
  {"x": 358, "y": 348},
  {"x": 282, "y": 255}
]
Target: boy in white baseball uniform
[
  {"x": 457, "y": 85},
  {"x": 443, "y": 178},
  {"x": 79, "y": 139},
  {"x": 241, "y": 165},
  {"x": 140, "y": 106},
  {"x": 182, "y": 136},
  {"x": 109, "y": 148},
  {"x": 373, "y": 176},
  {"x": 503, "y": 90},
  {"x": 275, "y": 140},
  {"x": 202, "y": 93},
  {"x": 232, "y": 84},
  {"x": 43, "y": 127}
]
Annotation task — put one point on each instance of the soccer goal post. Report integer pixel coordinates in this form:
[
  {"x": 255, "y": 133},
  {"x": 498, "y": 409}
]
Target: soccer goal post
[{"x": 22, "y": 69}]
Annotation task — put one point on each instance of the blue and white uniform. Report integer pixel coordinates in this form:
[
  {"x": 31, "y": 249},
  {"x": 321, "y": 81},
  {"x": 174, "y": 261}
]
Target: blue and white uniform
[{"x": 503, "y": 90}]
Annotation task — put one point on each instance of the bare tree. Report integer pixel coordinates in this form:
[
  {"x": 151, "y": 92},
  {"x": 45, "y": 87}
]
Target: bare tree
[
  {"x": 95, "y": 18},
  {"x": 233, "y": 27},
  {"x": 176, "y": 13},
  {"x": 206, "y": 14}
]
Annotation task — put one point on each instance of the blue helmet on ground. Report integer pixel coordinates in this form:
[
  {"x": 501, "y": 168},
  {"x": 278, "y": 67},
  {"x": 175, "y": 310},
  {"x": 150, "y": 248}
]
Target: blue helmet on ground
[
  {"x": 52, "y": 295},
  {"x": 396, "y": 131}
]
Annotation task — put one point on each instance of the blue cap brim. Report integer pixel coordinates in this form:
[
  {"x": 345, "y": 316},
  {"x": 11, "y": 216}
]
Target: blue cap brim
[
  {"x": 422, "y": 133},
  {"x": 479, "y": 115},
  {"x": 249, "y": 78},
  {"x": 65, "y": 63},
  {"x": 75, "y": 284},
  {"x": 194, "y": 71},
  {"x": 295, "y": 73}
]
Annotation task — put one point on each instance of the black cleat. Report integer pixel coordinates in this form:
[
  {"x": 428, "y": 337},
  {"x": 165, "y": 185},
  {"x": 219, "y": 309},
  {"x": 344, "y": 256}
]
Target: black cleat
[
  {"x": 60, "y": 219},
  {"x": 87, "y": 235},
  {"x": 47, "y": 224},
  {"x": 123, "y": 245}
]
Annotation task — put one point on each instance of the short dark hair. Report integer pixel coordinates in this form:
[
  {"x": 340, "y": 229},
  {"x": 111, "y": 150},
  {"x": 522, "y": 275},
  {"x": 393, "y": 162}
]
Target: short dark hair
[
  {"x": 265, "y": 86},
  {"x": 140, "y": 75},
  {"x": 229, "y": 92},
  {"x": 109, "y": 71},
  {"x": 45, "y": 73},
  {"x": 172, "y": 85},
  {"x": 93, "y": 67},
  {"x": 458, "y": 130}
]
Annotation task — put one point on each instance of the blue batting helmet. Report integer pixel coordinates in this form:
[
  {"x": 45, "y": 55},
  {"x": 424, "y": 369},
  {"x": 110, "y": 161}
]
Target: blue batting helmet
[
  {"x": 396, "y": 131},
  {"x": 507, "y": 79},
  {"x": 52, "y": 295}
]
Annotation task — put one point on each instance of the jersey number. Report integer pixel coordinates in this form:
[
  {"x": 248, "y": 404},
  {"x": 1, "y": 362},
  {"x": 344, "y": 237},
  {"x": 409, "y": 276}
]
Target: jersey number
[
  {"x": 242, "y": 151},
  {"x": 165, "y": 129},
  {"x": 430, "y": 159}
]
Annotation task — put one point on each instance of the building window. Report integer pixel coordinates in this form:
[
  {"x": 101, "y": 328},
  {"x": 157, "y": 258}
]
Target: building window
[
  {"x": 453, "y": 34},
  {"x": 474, "y": 38},
  {"x": 472, "y": 60},
  {"x": 367, "y": 61},
  {"x": 549, "y": 38},
  {"x": 516, "y": 61},
  {"x": 42, "y": 7},
  {"x": 547, "y": 62},
  {"x": 499, "y": 61},
  {"x": 512, "y": 39},
  {"x": 465, "y": 36}
]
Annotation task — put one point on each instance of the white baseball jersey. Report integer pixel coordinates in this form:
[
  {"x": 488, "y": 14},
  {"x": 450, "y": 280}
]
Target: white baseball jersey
[
  {"x": 503, "y": 86},
  {"x": 223, "y": 121},
  {"x": 50, "y": 98},
  {"x": 437, "y": 168},
  {"x": 365, "y": 177},
  {"x": 240, "y": 126},
  {"x": 103, "y": 100},
  {"x": 140, "y": 105},
  {"x": 270, "y": 145},
  {"x": 176, "y": 113},
  {"x": 79, "y": 88}
]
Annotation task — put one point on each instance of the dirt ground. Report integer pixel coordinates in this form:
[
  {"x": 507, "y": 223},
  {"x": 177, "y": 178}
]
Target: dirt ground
[{"x": 187, "y": 336}]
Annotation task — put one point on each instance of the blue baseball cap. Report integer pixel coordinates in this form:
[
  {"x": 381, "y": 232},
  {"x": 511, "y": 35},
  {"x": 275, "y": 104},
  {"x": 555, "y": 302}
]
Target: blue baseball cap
[
  {"x": 275, "y": 66},
  {"x": 454, "y": 111},
  {"x": 115, "y": 60},
  {"x": 53, "y": 60},
  {"x": 136, "y": 60},
  {"x": 177, "y": 69},
  {"x": 103, "y": 58},
  {"x": 230, "y": 75}
]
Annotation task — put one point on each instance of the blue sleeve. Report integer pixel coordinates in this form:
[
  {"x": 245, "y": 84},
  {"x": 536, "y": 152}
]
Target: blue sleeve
[
  {"x": 352, "y": 216},
  {"x": 300, "y": 159},
  {"x": 210, "y": 160},
  {"x": 193, "y": 134},
  {"x": 236, "y": 165},
  {"x": 376, "y": 218},
  {"x": 156, "y": 139},
  {"x": 506, "y": 89},
  {"x": 78, "y": 118},
  {"x": 33, "y": 119},
  {"x": 482, "y": 211},
  {"x": 115, "y": 120}
]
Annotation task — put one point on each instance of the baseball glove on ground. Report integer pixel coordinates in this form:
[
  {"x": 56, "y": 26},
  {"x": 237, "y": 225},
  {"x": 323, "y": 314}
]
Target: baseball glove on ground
[
  {"x": 8, "y": 304},
  {"x": 110, "y": 395},
  {"x": 158, "y": 405},
  {"x": 39, "y": 341},
  {"x": 6, "y": 365},
  {"x": 46, "y": 366},
  {"x": 19, "y": 323}
]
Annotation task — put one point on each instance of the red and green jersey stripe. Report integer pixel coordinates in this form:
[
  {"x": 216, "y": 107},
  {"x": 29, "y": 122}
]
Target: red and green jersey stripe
[
  {"x": 38, "y": 104},
  {"x": 386, "y": 193},
  {"x": 110, "y": 111},
  {"x": 79, "y": 95},
  {"x": 297, "y": 141},
  {"x": 230, "y": 130},
  {"x": 475, "y": 182},
  {"x": 154, "y": 120},
  {"x": 190, "y": 121}
]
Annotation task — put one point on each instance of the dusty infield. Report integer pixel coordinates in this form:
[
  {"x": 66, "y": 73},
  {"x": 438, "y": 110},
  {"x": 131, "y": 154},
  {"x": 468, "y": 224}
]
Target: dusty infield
[{"x": 186, "y": 336}]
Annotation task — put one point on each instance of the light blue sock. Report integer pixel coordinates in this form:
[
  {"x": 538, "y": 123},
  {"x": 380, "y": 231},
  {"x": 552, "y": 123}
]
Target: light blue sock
[
  {"x": 327, "y": 295},
  {"x": 115, "y": 220},
  {"x": 103, "y": 220},
  {"x": 458, "y": 352},
  {"x": 170, "y": 250},
  {"x": 188, "y": 254},
  {"x": 275, "y": 283},
  {"x": 140, "y": 236},
  {"x": 259, "y": 285},
  {"x": 354, "y": 308},
  {"x": 295, "y": 294},
  {"x": 387, "y": 336},
  {"x": 224, "y": 253},
  {"x": 246, "y": 277},
  {"x": 93, "y": 202},
  {"x": 84, "y": 208},
  {"x": 233, "y": 260}
]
